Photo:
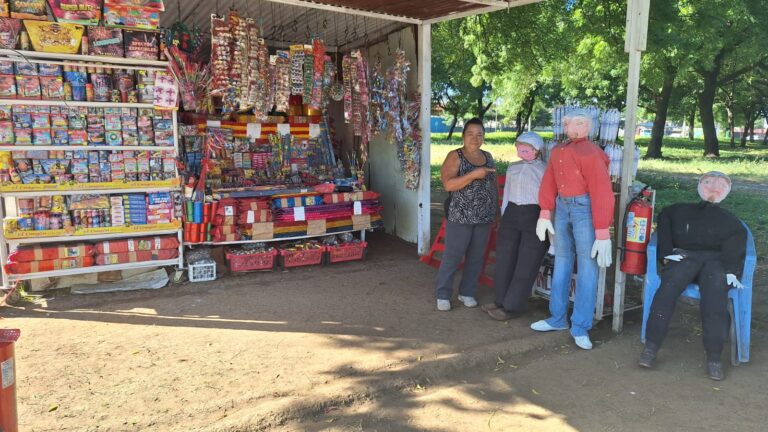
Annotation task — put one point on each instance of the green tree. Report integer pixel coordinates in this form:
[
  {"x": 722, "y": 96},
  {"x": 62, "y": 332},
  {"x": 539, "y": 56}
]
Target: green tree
[{"x": 729, "y": 39}]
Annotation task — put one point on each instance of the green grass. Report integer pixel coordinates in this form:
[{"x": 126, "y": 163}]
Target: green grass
[{"x": 673, "y": 177}]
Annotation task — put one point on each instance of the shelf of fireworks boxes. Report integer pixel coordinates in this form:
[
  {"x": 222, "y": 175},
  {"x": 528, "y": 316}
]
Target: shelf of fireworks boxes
[{"x": 344, "y": 247}]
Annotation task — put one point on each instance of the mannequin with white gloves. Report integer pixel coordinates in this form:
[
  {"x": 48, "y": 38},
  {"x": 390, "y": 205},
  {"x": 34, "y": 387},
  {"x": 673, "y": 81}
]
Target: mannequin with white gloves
[
  {"x": 705, "y": 244},
  {"x": 577, "y": 203}
]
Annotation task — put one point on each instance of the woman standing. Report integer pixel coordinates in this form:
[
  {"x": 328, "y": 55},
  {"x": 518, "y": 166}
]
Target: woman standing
[
  {"x": 468, "y": 174},
  {"x": 518, "y": 250}
]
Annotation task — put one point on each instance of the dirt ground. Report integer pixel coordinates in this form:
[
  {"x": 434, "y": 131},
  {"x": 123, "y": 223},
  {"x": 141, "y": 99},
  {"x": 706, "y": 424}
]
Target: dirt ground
[{"x": 356, "y": 347}]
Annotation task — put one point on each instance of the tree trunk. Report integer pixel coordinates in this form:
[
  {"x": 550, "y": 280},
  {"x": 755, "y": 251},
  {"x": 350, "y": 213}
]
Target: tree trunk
[
  {"x": 691, "y": 120},
  {"x": 706, "y": 112},
  {"x": 453, "y": 125},
  {"x": 752, "y": 121},
  {"x": 660, "y": 121},
  {"x": 706, "y": 103},
  {"x": 731, "y": 128},
  {"x": 519, "y": 123}
]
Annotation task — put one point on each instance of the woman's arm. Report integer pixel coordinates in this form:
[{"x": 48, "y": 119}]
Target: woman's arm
[{"x": 449, "y": 173}]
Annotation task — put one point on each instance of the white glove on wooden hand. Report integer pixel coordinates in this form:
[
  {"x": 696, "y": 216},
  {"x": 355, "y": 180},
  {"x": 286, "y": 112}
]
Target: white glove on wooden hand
[
  {"x": 676, "y": 258},
  {"x": 602, "y": 250},
  {"x": 733, "y": 281},
  {"x": 542, "y": 227}
]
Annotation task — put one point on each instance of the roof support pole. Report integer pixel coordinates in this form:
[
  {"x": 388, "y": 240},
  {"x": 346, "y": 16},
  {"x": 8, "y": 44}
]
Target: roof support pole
[
  {"x": 424, "y": 50},
  {"x": 634, "y": 44}
]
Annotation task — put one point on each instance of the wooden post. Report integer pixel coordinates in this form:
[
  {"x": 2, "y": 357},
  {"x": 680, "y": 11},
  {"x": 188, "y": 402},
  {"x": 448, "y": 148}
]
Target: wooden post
[
  {"x": 424, "y": 49},
  {"x": 634, "y": 44}
]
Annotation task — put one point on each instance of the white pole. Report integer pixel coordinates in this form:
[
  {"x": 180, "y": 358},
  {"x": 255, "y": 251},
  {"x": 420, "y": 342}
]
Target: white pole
[
  {"x": 637, "y": 30},
  {"x": 424, "y": 48}
]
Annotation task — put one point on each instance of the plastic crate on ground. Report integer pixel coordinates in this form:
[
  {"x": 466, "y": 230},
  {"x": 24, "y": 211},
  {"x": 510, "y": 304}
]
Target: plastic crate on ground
[
  {"x": 202, "y": 272},
  {"x": 304, "y": 257},
  {"x": 346, "y": 252},
  {"x": 252, "y": 261}
]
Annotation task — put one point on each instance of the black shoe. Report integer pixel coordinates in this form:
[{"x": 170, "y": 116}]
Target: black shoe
[
  {"x": 647, "y": 357},
  {"x": 715, "y": 370}
]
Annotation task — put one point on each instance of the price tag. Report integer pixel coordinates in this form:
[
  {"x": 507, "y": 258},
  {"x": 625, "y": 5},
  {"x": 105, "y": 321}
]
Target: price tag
[
  {"x": 251, "y": 217},
  {"x": 283, "y": 129},
  {"x": 131, "y": 246},
  {"x": 358, "y": 207},
  {"x": 229, "y": 211},
  {"x": 253, "y": 130},
  {"x": 298, "y": 214},
  {"x": 213, "y": 123},
  {"x": 314, "y": 130}
]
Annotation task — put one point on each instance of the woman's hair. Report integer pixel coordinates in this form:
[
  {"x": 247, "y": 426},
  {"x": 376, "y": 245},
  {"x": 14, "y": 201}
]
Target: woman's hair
[{"x": 473, "y": 121}]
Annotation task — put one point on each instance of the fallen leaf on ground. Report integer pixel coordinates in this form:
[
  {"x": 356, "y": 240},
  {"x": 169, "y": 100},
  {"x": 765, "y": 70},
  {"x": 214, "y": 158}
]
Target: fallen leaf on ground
[
  {"x": 53, "y": 408},
  {"x": 535, "y": 392},
  {"x": 716, "y": 388}
]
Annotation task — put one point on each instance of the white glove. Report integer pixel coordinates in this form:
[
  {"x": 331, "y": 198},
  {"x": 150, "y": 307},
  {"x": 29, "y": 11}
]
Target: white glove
[
  {"x": 676, "y": 258},
  {"x": 602, "y": 250},
  {"x": 542, "y": 227},
  {"x": 733, "y": 281}
]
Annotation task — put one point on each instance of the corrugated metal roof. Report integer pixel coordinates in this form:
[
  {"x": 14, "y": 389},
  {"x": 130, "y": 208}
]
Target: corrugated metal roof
[{"x": 284, "y": 23}]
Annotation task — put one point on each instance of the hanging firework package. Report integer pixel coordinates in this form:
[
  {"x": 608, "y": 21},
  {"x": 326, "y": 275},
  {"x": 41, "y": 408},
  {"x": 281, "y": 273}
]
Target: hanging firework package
[
  {"x": 362, "y": 110},
  {"x": 297, "y": 69},
  {"x": 283, "y": 74},
  {"x": 395, "y": 102},
  {"x": 239, "y": 64},
  {"x": 221, "y": 55},
  {"x": 318, "y": 54},
  {"x": 346, "y": 73},
  {"x": 309, "y": 61},
  {"x": 378, "y": 121}
]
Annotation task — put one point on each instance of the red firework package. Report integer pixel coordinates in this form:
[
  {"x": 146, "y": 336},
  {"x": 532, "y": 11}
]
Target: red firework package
[
  {"x": 29, "y": 9},
  {"x": 138, "y": 256},
  {"x": 48, "y": 265},
  {"x": 9, "y": 32},
  {"x": 136, "y": 245},
  {"x": 40, "y": 253},
  {"x": 85, "y": 12}
]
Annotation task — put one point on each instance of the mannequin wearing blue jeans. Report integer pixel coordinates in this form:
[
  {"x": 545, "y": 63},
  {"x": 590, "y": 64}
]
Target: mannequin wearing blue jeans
[{"x": 574, "y": 234}]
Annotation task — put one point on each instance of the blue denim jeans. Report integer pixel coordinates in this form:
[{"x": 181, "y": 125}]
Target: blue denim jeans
[{"x": 574, "y": 237}]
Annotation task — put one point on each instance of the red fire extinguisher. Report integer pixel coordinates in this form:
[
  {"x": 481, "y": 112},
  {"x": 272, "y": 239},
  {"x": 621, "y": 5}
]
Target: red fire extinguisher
[
  {"x": 8, "y": 420},
  {"x": 637, "y": 227}
]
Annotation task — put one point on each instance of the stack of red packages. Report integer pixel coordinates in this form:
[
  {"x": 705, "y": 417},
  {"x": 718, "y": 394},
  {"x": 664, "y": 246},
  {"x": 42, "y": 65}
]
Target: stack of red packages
[
  {"x": 225, "y": 221},
  {"x": 137, "y": 250},
  {"x": 256, "y": 218},
  {"x": 48, "y": 258}
]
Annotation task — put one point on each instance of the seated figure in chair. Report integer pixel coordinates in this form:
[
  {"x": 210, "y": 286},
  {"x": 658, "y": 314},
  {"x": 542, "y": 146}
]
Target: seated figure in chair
[{"x": 702, "y": 244}]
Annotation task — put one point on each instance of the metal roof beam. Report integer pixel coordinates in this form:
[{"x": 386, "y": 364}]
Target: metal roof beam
[
  {"x": 346, "y": 10},
  {"x": 500, "y": 6}
]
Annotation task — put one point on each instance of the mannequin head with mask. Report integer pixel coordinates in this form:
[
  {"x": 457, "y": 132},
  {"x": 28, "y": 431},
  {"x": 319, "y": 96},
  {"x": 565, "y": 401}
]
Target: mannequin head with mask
[
  {"x": 528, "y": 146},
  {"x": 577, "y": 124},
  {"x": 714, "y": 186}
]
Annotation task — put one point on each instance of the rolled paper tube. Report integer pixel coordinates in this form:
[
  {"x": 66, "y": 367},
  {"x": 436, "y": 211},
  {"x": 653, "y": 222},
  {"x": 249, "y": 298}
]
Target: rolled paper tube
[
  {"x": 214, "y": 207},
  {"x": 187, "y": 233},
  {"x": 198, "y": 212},
  {"x": 207, "y": 212},
  {"x": 195, "y": 232},
  {"x": 190, "y": 211}
]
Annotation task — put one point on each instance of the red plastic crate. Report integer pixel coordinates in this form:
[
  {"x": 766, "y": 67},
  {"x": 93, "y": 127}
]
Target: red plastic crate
[
  {"x": 346, "y": 252},
  {"x": 304, "y": 257},
  {"x": 250, "y": 262}
]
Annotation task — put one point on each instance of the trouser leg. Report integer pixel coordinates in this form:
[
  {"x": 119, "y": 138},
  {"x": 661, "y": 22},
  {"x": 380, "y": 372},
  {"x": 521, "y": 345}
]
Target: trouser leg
[
  {"x": 587, "y": 270},
  {"x": 674, "y": 279},
  {"x": 715, "y": 319},
  {"x": 474, "y": 259},
  {"x": 563, "y": 269},
  {"x": 507, "y": 248},
  {"x": 457, "y": 239},
  {"x": 531, "y": 252}
]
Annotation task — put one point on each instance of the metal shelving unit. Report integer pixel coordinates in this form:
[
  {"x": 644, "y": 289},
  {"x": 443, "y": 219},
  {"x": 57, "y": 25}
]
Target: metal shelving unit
[
  {"x": 362, "y": 237},
  {"x": 88, "y": 61}
]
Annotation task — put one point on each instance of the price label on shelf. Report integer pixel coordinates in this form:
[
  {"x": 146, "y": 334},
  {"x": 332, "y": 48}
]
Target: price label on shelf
[
  {"x": 358, "y": 208},
  {"x": 251, "y": 217},
  {"x": 253, "y": 130},
  {"x": 229, "y": 211},
  {"x": 298, "y": 214}
]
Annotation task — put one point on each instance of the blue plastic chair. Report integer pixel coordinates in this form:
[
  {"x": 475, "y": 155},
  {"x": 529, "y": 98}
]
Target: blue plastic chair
[{"x": 740, "y": 306}]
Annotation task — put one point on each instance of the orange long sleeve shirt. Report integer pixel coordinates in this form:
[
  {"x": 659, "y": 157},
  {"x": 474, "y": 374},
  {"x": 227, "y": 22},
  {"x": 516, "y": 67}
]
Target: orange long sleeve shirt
[{"x": 576, "y": 168}]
